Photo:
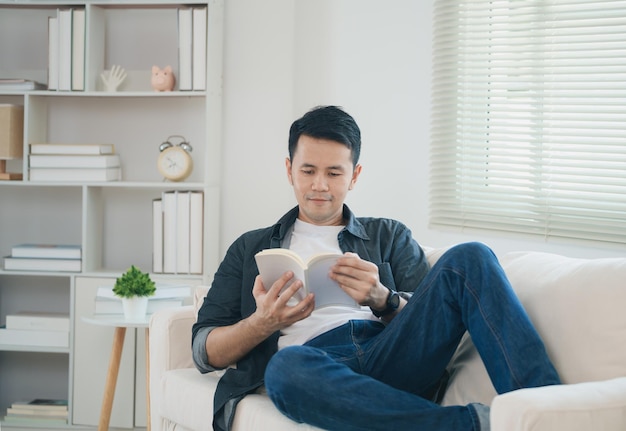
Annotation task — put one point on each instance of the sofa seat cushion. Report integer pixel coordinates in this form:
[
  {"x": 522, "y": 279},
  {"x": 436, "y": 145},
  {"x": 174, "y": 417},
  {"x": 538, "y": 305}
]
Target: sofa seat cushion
[
  {"x": 188, "y": 402},
  {"x": 188, "y": 397},
  {"x": 578, "y": 407},
  {"x": 257, "y": 412},
  {"x": 576, "y": 306}
]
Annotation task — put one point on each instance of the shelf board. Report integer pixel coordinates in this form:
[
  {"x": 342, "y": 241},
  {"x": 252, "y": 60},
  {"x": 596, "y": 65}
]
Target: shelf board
[
  {"x": 115, "y": 94},
  {"x": 37, "y": 349},
  {"x": 160, "y": 185}
]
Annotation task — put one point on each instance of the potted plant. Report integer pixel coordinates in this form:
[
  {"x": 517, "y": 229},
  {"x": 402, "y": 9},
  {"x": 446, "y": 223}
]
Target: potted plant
[{"x": 134, "y": 287}]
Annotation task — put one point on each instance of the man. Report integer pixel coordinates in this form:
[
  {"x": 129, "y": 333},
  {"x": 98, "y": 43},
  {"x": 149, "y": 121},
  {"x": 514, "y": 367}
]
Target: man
[{"x": 378, "y": 367}]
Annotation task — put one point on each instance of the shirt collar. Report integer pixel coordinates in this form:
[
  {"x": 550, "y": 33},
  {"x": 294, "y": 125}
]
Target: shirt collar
[{"x": 353, "y": 225}]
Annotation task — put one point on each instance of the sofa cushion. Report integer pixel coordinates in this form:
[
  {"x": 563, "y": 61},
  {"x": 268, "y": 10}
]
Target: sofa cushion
[
  {"x": 188, "y": 397},
  {"x": 188, "y": 402},
  {"x": 578, "y": 407},
  {"x": 576, "y": 306}
]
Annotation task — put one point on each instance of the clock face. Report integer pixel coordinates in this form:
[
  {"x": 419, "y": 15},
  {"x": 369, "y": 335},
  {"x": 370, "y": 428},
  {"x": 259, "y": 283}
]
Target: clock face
[{"x": 175, "y": 163}]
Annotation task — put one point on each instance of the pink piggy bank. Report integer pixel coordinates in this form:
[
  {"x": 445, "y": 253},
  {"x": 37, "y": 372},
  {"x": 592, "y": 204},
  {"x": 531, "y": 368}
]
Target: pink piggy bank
[{"x": 163, "y": 79}]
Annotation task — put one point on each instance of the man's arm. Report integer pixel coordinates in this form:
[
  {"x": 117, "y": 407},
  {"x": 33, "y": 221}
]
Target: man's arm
[{"x": 228, "y": 344}]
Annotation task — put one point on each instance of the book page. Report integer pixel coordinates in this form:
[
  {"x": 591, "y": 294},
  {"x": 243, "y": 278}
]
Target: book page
[
  {"x": 327, "y": 291},
  {"x": 273, "y": 263}
]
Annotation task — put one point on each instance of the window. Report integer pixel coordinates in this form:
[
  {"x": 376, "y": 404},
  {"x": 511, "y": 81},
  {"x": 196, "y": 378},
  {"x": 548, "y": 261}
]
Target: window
[{"x": 529, "y": 117}]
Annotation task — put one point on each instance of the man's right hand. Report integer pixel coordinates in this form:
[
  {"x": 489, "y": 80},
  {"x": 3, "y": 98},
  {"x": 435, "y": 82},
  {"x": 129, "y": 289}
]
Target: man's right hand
[
  {"x": 228, "y": 344},
  {"x": 272, "y": 310}
]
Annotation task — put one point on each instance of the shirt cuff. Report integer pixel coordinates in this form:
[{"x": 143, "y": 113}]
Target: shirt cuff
[{"x": 200, "y": 357}]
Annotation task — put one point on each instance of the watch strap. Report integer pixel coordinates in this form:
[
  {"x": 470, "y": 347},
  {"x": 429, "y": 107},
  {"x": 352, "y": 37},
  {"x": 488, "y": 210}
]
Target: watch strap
[{"x": 391, "y": 305}]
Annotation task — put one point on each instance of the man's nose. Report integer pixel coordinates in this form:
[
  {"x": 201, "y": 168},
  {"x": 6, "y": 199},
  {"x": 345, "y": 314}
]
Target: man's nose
[{"x": 320, "y": 183}]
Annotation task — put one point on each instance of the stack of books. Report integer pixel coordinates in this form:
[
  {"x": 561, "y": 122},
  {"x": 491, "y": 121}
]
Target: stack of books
[
  {"x": 74, "y": 162},
  {"x": 9, "y": 84},
  {"x": 177, "y": 232},
  {"x": 37, "y": 412},
  {"x": 44, "y": 257},
  {"x": 166, "y": 296},
  {"x": 32, "y": 328}
]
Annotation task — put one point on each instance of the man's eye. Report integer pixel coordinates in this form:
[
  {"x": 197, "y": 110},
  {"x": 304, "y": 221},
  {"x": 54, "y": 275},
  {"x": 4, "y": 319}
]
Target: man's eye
[
  {"x": 334, "y": 174},
  {"x": 307, "y": 171}
]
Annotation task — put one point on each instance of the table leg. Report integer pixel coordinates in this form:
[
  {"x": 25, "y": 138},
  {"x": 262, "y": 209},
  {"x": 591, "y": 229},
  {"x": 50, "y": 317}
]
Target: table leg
[
  {"x": 111, "y": 381},
  {"x": 148, "y": 379}
]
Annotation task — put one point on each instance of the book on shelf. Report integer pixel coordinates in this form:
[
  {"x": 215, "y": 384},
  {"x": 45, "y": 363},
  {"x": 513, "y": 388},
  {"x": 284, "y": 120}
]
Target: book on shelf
[
  {"x": 58, "y": 251},
  {"x": 35, "y": 421},
  {"x": 274, "y": 262},
  {"x": 41, "y": 264},
  {"x": 163, "y": 291},
  {"x": 182, "y": 230},
  {"x": 185, "y": 37},
  {"x": 39, "y": 338},
  {"x": 38, "y": 320},
  {"x": 165, "y": 296},
  {"x": 69, "y": 149},
  {"x": 65, "y": 49},
  {"x": 75, "y": 174},
  {"x": 74, "y": 161},
  {"x": 109, "y": 306},
  {"x": 8, "y": 84},
  {"x": 42, "y": 404},
  {"x": 196, "y": 232},
  {"x": 37, "y": 414},
  {"x": 78, "y": 49},
  {"x": 169, "y": 231},
  {"x": 53, "y": 53},
  {"x": 157, "y": 236},
  {"x": 199, "y": 48},
  {"x": 26, "y": 412}
]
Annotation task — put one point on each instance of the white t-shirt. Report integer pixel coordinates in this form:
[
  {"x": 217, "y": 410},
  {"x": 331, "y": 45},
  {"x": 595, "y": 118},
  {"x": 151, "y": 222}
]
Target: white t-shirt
[{"x": 306, "y": 240}]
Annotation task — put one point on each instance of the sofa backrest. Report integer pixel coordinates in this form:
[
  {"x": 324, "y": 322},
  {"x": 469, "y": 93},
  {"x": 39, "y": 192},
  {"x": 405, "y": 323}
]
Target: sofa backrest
[{"x": 577, "y": 306}]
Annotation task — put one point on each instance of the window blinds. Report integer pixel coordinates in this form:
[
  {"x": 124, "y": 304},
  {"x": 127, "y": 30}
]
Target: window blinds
[{"x": 529, "y": 117}]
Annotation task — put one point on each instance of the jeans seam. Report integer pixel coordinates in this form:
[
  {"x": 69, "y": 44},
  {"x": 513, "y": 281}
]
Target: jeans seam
[{"x": 495, "y": 336}]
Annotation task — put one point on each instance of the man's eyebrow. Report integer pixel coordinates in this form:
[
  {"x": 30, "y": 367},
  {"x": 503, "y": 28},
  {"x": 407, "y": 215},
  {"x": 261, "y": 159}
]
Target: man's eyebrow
[
  {"x": 336, "y": 168},
  {"x": 331, "y": 168}
]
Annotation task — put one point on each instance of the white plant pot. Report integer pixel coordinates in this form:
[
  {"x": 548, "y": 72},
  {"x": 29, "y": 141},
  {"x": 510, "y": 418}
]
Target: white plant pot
[{"x": 135, "y": 308}]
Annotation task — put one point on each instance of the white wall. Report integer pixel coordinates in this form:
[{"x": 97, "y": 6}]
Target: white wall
[{"x": 283, "y": 57}]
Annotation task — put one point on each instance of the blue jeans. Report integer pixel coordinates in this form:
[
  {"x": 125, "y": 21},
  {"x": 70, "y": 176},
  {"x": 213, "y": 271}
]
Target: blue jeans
[{"x": 368, "y": 376}]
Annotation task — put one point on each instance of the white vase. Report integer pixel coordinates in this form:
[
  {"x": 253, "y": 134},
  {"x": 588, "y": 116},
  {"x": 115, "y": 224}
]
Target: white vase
[{"x": 135, "y": 308}]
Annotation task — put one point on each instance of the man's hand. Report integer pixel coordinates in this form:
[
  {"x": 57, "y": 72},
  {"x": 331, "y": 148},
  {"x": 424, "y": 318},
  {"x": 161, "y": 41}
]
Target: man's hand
[
  {"x": 272, "y": 310},
  {"x": 359, "y": 278},
  {"x": 228, "y": 344}
]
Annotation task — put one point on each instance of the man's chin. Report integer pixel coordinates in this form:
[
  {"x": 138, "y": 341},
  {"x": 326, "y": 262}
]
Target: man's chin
[{"x": 316, "y": 215}]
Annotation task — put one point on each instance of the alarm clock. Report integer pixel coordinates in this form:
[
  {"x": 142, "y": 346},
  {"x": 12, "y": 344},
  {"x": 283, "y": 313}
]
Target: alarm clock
[{"x": 175, "y": 162}]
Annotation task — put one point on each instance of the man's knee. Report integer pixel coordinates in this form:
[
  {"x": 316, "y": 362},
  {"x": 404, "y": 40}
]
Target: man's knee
[{"x": 285, "y": 368}]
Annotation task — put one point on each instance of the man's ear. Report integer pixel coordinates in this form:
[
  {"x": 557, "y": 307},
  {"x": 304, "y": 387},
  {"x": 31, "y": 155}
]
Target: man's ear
[
  {"x": 355, "y": 176},
  {"x": 288, "y": 167}
]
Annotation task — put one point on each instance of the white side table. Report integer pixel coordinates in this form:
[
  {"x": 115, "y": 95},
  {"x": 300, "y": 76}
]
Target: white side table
[{"x": 120, "y": 324}]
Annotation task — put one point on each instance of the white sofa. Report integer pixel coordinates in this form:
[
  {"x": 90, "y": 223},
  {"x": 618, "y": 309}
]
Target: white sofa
[{"x": 577, "y": 305}]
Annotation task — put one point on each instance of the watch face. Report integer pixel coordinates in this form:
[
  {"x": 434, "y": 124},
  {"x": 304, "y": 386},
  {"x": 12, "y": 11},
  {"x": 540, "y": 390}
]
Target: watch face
[
  {"x": 394, "y": 300},
  {"x": 175, "y": 164}
]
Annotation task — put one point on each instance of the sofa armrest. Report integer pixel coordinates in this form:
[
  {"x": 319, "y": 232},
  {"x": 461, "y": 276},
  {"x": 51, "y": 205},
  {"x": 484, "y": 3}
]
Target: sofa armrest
[
  {"x": 170, "y": 340},
  {"x": 170, "y": 348},
  {"x": 576, "y": 407}
]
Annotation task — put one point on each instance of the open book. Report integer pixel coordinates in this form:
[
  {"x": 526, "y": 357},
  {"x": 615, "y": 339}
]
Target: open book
[{"x": 274, "y": 262}]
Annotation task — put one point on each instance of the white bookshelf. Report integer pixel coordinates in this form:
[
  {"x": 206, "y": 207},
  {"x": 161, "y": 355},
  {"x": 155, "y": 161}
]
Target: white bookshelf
[{"x": 112, "y": 221}]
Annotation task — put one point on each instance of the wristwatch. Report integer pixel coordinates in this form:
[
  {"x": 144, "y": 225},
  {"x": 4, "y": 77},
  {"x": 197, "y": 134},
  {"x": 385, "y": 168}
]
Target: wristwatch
[{"x": 392, "y": 304}]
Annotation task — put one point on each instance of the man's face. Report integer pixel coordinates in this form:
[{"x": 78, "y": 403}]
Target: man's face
[{"x": 321, "y": 174}]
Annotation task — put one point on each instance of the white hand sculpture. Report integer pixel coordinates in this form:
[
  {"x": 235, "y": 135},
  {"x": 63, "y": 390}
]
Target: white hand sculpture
[{"x": 113, "y": 79}]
